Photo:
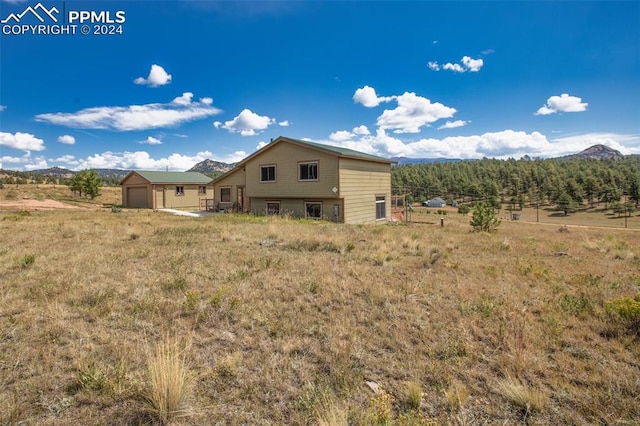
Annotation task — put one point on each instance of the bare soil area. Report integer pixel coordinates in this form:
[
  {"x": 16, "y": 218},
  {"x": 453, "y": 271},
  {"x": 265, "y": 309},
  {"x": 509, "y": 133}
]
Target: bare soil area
[{"x": 29, "y": 204}]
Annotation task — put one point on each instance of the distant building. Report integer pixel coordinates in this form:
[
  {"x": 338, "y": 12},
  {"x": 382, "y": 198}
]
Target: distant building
[{"x": 435, "y": 202}]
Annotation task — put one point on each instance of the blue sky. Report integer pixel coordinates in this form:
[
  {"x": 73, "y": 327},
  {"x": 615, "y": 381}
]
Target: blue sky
[{"x": 181, "y": 81}]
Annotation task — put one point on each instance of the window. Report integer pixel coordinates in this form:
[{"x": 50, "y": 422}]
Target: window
[
  {"x": 313, "y": 210},
  {"x": 179, "y": 190},
  {"x": 202, "y": 190},
  {"x": 308, "y": 171},
  {"x": 273, "y": 207},
  {"x": 267, "y": 173},
  {"x": 225, "y": 194},
  {"x": 381, "y": 208}
]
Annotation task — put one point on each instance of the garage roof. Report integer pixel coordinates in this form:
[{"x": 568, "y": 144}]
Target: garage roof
[{"x": 171, "y": 177}]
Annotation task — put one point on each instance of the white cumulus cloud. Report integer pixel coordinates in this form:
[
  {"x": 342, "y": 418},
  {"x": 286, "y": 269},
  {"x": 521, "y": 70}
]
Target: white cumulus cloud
[
  {"x": 23, "y": 141},
  {"x": 341, "y": 135},
  {"x": 562, "y": 103},
  {"x": 412, "y": 113},
  {"x": 361, "y": 130},
  {"x": 247, "y": 123},
  {"x": 367, "y": 96},
  {"x": 157, "y": 77},
  {"x": 453, "y": 67},
  {"x": 133, "y": 117},
  {"x": 472, "y": 65},
  {"x": 2, "y": 108},
  {"x": 453, "y": 124},
  {"x": 67, "y": 139},
  {"x": 150, "y": 140},
  {"x": 284, "y": 123},
  {"x": 467, "y": 63}
]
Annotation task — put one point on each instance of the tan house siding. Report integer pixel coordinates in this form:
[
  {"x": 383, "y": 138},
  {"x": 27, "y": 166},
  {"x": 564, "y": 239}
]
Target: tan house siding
[
  {"x": 287, "y": 158},
  {"x": 191, "y": 197},
  {"x": 233, "y": 181},
  {"x": 361, "y": 182},
  {"x": 296, "y": 207}
]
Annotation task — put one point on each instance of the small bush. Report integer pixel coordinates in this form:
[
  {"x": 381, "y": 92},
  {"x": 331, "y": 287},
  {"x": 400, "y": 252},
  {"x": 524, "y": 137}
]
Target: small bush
[
  {"x": 26, "y": 261},
  {"x": 464, "y": 209},
  {"x": 116, "y": 209},
  {"x": 413, "y": 396},
  {"x": 625, "y": 309},
  {"x": 523, "y": 396}
]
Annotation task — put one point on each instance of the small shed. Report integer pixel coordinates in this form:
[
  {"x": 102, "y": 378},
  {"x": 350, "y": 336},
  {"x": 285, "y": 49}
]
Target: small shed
[{"x": 156, "y": 190}]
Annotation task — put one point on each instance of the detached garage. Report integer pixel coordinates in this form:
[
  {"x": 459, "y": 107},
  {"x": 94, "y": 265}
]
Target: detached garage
[{"x": 157, "y": 190}]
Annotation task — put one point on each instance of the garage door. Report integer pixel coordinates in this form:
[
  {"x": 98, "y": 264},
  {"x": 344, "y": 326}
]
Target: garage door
[{"x": 137, "y": 197}]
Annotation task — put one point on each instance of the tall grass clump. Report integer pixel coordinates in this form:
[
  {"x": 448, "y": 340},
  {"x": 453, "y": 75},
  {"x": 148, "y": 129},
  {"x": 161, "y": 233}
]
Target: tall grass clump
[{"x": 170, "y": 381}]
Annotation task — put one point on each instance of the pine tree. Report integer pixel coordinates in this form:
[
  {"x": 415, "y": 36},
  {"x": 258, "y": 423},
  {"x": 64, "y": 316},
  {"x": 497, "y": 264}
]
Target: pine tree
[{"x": 484, "y": 218}]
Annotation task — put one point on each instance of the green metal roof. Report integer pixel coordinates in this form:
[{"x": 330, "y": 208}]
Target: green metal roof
[
  {"x": 174, "y": 177},
  {"x": 344, "y": 152}
]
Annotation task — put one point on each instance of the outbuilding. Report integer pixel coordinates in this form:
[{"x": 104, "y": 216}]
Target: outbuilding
[{"x": 156, "y": 190}]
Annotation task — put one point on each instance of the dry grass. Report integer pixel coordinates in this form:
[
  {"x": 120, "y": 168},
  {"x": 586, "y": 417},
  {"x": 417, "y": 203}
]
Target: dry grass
[
  {"x": 170, "y": 381},
  {"x": 281, "y": 312}
]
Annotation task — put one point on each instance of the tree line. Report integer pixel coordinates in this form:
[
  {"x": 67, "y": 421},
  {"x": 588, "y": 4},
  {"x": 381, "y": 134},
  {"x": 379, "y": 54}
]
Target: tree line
[{"x": 569, "y": 182}]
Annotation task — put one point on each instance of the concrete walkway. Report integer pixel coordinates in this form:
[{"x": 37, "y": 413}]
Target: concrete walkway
[{"x": 186, "y": 213}]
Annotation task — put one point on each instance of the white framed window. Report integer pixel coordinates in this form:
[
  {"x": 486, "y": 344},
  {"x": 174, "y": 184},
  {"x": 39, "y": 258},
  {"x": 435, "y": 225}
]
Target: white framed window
[
  {"x": 308, "y": 171},
  {"x": 202, "y": 190},
  {"x": 381, "y": 208},
  {"x": 272, "y": 207},
  {"x": 268, "y": 173},
  {"x": 179, "y": 190},
  {"x": 225, "y": 194},
  {"x": 313, "y": 210}
]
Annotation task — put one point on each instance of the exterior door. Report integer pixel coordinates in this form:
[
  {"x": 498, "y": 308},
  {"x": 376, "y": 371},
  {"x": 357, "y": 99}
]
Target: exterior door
[
  {"x": 240, "y": 198},
  {"x": 160, "y": 197}
]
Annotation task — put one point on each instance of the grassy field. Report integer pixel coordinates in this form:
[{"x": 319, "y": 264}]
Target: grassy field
[{"x": 253, "y": 320}]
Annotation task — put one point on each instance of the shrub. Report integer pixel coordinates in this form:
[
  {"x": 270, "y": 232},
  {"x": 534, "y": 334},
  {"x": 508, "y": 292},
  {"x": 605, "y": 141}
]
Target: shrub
[
  {"x": 464, "y": 209},
  {"x": 626, "y": 309}
]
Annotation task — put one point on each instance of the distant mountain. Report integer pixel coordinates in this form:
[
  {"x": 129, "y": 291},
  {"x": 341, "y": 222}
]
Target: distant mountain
[
  {"x": 404, "y": 160},
  {"x": 56, "y": 172},
  {"x": 111, "y": 173},
  {"x": 211, "y": 167},
  {"x": 599, "y": 152},
  {"x": 59, "y": 172}
]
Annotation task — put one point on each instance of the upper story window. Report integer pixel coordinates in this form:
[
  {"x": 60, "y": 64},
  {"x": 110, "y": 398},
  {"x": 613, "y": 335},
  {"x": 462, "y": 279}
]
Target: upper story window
[
  {"x": 308, "y": 171},
  {"x": 179, "y": 190},
  {"x": 268, "y": 173}
]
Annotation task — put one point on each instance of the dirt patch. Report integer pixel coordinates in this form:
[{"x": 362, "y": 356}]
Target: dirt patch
[{"x": 28, "y": 204}]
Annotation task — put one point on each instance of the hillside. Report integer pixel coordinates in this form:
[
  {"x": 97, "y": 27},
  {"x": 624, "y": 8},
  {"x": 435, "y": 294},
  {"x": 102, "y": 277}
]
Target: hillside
[
  {"x": 211, "y": 167},
  {"x": 599, "y": 152}
]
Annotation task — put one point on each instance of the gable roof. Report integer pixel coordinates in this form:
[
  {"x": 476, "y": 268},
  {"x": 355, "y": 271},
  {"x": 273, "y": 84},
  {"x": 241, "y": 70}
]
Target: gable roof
[
  {"x": 171, "y": 177},
  {"x": 330, "y": 149}
]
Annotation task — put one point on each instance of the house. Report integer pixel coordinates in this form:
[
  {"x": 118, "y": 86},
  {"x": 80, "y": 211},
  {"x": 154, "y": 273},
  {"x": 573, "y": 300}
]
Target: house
[
  {"x": 156, "y": 190},
  {"x": 435, "y": 202},
  {"x": 311, "y": 180}
]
